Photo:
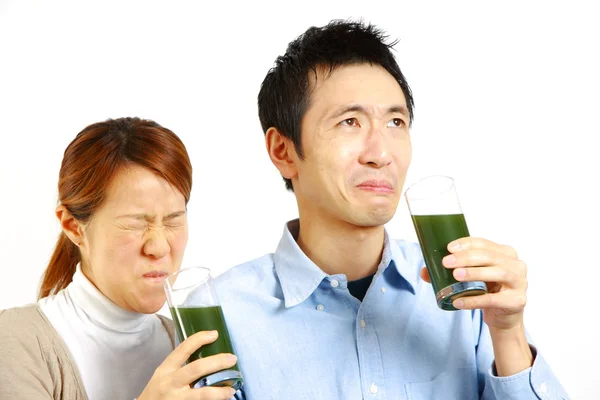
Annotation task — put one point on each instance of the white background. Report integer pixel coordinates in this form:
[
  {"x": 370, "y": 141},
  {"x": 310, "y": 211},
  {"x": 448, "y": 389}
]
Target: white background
[{"x": 506, "y": 103}]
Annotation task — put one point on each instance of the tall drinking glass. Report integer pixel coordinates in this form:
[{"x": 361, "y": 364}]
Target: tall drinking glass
[
  {"x": 438, "y": 220},
  {"x": 194, "y": 307}
]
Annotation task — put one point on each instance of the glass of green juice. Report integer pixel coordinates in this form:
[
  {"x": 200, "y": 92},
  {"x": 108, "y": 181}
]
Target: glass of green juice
[
  {"x": 194, "y": 307},
  {"x": 438, "y": 220}
]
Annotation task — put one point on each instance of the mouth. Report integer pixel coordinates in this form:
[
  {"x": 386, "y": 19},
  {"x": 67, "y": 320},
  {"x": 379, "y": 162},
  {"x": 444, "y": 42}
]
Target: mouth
[
  {"x": 155, "y": 276},
  {"x": 377, "y": 186}
]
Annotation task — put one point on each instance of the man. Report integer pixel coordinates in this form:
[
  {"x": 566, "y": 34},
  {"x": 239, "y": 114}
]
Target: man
[{"x": 341, "y": 310}]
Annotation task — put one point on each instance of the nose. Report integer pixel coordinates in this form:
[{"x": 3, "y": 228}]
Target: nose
[
  {"x": 376, "y": 150},
  {"x": 156, "y": 244}
]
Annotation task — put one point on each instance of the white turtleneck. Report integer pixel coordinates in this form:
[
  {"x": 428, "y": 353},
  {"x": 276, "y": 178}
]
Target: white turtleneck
[{"x": 116, "y": 351}]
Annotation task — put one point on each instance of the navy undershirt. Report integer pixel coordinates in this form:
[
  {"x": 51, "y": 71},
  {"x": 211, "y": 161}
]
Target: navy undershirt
[{"x": 358, "y": 288}]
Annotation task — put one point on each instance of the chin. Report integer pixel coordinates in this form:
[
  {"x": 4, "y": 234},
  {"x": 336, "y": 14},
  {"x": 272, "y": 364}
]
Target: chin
[
  {"x": 150, "y": 304},
  {"x": 370, "y": 220},
  {"x": 374, "y": 216},
  {"x": 150, "y": 308},
  {"x": 375, "y": 219}
]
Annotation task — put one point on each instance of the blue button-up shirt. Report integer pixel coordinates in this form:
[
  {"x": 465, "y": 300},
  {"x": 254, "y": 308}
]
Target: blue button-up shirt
[{"x": 299, "y": 334}]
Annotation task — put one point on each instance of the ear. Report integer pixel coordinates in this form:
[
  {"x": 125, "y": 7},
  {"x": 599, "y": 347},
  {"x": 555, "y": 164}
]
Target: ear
[
  {"x": 282, "y": 153},
  {"x": 70, "y": 226}
]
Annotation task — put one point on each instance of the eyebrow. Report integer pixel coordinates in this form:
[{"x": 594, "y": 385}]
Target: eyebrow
[
  {"x": 358, "y": 108},
  {"x": 148, "y": 217}
]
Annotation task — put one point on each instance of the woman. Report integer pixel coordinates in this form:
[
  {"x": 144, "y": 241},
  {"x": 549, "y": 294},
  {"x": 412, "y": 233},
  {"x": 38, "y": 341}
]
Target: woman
[{"x": 124, "y": 186}]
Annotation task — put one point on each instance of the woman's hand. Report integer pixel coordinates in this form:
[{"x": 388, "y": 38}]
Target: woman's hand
[{"x": 171, "y": 380}]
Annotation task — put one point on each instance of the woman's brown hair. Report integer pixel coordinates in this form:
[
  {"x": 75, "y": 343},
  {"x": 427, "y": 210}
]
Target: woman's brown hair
[{"x": 90, "y": 163}]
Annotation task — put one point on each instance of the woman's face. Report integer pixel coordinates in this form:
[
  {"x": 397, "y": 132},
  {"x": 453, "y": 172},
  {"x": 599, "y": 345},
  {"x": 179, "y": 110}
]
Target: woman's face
[{"x": 135, "y": 240}]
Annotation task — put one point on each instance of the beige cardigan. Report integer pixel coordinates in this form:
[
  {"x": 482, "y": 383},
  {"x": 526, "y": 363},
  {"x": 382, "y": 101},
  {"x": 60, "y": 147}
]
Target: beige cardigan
[{"x": 34, "y": 361}]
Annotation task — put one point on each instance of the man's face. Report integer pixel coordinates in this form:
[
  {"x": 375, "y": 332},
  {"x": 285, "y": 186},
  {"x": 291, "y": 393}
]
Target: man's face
[{"x": 356, "y": 144}]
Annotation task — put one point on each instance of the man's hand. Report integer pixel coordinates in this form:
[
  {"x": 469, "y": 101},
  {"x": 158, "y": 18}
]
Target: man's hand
[{"x": 477, "y": 259}]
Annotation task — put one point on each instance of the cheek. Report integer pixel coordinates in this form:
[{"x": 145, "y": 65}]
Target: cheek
[
  {"x": 178, "y": 242},
  {"x": 338, "y": 159},
  {"x": 403, "y": 154},
  {"x": 121, "y": 248},
  {"x": 406, "y": 159}
]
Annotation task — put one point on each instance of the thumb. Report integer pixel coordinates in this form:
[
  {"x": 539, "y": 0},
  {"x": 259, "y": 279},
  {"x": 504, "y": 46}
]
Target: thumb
[{"x": 425, "y": 275}]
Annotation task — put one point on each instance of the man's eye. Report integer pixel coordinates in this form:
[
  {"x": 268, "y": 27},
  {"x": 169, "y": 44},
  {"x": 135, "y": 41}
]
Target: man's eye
[
  {"x": 350, "y": 122},
  {"x": 396, "y": 122}
]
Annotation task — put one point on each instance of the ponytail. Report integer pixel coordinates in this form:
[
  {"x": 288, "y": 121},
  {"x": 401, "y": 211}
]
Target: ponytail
[{"x": 61, "y": 268}]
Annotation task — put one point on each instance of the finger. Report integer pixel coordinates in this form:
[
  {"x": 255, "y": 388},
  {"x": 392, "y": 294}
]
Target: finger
[
  {"x": 497, "y": 274},
  {"x": 185, "y": 349},
  {"x": 211, "y": 393},
  {"x": 507, "y": 301},
  {"x": 204, "y": 366},
  {"x": 475, "y": 258},
  {"x": 425, "y": 275},
  {"x": 467, "y": 243}
]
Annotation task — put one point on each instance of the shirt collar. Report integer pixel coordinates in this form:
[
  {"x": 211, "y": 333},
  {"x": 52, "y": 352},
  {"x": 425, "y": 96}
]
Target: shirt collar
[
  {"x": 299, "y": 276},
  {"x": 397, "y": 255}
]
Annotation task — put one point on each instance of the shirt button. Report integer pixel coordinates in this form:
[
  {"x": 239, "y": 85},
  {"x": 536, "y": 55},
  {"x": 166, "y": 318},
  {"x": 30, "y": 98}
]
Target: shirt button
[
  {"x": 373, "y": 389},
  {"x": 335, "y": 283},
  {"x": 382, "y": 290},
  {"x": 363, "y": 323},
  {"x": 543, "y": 389},
  {"x": 320, "y": 307}
]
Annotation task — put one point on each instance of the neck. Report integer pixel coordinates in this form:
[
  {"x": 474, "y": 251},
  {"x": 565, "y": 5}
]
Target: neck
[{"x": 338, "y": 247}]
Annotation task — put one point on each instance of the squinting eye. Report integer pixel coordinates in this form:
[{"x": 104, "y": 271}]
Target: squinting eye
[
  {"x": 175, "y": 222},
  {"x": 137, "y": 225},
  {"x": 396, "y": 122},
  {"x": 350, "y": 122}
]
